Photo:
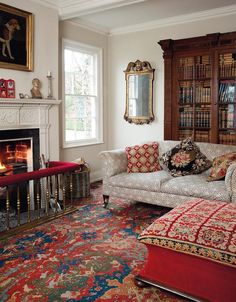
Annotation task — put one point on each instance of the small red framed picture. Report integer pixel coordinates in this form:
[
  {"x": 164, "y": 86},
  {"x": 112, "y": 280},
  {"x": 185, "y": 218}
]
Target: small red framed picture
[
  {"x": 7, "y": 88},
  {"x": 10, "y": 88}
]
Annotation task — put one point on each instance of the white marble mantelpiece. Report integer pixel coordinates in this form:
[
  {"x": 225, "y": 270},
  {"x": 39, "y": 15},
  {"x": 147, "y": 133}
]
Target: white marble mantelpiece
[
  {"x": 33, "y": 113},
  {"x": 29, "y": 101}
]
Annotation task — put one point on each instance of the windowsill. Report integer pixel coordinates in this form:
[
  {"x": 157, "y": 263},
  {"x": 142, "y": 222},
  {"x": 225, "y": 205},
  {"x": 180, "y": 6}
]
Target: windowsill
[{"x": 85, "y": 144}]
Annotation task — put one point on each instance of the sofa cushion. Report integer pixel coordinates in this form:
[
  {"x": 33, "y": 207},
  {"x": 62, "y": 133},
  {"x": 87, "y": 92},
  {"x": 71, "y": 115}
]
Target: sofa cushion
[
  {"x": 143, "y": 181},
  {"x": 220, "y": 166},
  {"x": 143, "y": 158},
  {"x": 196, "y": 186},
  {"x": 185, "y": 158}
]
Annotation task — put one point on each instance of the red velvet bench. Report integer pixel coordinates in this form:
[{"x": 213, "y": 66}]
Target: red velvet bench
[{"x": 192, "y": 251}]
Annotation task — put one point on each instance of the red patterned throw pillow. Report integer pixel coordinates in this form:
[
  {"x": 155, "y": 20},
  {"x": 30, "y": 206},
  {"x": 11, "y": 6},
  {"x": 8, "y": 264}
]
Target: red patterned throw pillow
[
  {"x": 142, "y": 158},
  {"x": 220, "y": 166}
]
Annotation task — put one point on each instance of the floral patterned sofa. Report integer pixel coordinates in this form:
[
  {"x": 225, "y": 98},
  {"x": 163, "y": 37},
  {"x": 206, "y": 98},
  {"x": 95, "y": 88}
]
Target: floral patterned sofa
[{"x": 160, "y": 187}]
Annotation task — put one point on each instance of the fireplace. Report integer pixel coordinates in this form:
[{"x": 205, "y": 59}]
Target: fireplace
[
  {"x": 19, "y": 153},
  {"x": 19, "y": 148},
  {"x": 33, "y": 116}
]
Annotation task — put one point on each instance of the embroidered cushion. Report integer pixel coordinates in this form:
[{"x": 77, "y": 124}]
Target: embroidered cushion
[
  {"x": 143, "y": 158},
  {"x": 200, "y": 227},
  {"x": 220, "y": 166},
  {"x": 185, "y": 158}
]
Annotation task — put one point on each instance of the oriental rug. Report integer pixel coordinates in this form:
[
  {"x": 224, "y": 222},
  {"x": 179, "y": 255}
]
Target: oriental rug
[{"x": 90, "y": 255}]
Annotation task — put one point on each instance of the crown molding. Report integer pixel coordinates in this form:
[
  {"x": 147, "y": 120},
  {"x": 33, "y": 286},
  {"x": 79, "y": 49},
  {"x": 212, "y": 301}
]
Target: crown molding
[
  {"x": 75, "y": 8},
  {"x": 68, "y": 9},
  {"x": 49, "y": 3},
  {"x": 89, "y": 26},
  {"x": 181, "y": 19}
]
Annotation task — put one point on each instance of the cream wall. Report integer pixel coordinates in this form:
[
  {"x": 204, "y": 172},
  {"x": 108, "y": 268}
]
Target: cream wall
[
  {"x": 45, "y": 58},
  {"x": 90, "y": 153},
  {"x": 143, "y": 46},
  {"x": 118, "y": 51},
  {"x": 45, "y": 48}
]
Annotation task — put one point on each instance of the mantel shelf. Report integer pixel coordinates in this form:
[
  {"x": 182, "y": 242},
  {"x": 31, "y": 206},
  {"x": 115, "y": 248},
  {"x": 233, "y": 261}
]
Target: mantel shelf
[{"x": 29, "y": 102}]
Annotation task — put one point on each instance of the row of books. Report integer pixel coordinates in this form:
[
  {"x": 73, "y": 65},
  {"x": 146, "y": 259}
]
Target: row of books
[
  {"x": 185, "y": 94},
  {"x": 197, "y": 71},
  {"x": 227, "y": 138},
  {"x": 227, "y": 66},
  {"x": 227, "y": 91},
  {"x": 228, "y": 70},
  {"x": 226, "y": 58},
  {"x": 186, "y": 61},
  {"x": 227, "y": 118},
  {"x": 203, "y": 94},
  {"x": 185, "y": 133},
  {"x": 189, "y": 61},
  {"x": 203, "y": 119},
  {"x": 186, "y": 117},
  {"x": 202, "y": 136}
]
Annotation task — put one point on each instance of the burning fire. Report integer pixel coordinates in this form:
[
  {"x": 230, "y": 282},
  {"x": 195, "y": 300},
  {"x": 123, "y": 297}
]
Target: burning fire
[{"x": 2, "y": 166}]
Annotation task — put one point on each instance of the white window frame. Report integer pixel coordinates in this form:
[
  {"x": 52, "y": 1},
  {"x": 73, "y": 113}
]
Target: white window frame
[{"x": 69, "y": 44}]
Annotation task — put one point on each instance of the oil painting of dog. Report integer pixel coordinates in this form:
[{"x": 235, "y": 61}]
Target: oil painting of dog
[
  {"x": 15, "y": 38},
  {"x": 7, "y": 34}
]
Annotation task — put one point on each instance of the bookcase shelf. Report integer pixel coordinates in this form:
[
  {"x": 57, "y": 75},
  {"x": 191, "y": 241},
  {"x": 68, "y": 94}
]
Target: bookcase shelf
[
  {"x": 227, "y": 78},
  {"x": 226, "y": 103},
  {"x": 200, "y": 88}
]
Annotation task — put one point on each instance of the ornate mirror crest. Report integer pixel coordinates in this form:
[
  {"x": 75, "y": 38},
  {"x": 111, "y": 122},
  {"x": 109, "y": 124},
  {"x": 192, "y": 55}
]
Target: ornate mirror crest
[{"x": 139, "y": 92}]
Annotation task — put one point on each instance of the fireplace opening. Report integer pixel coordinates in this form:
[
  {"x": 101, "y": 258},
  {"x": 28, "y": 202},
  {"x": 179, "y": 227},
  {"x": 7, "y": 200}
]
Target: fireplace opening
[
  {"x": 19, "y": 153},
  {"x": 15, "y": 156}
]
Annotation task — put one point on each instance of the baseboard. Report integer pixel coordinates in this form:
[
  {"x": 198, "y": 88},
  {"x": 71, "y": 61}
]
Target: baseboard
[{"x": 96, "y": 176}]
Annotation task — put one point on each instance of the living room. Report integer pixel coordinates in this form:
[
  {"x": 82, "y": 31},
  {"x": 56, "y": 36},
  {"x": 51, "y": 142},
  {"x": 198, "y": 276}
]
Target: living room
[
  {"x": 118, "y": 51},
  {"x": 129, "y": 39}
]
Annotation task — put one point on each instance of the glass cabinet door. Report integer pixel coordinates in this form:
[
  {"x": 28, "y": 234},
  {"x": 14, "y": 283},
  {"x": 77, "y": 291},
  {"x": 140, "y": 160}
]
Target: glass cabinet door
[
  {"x": 227, "y": 98},
  {"x": 194, "y": 97}
]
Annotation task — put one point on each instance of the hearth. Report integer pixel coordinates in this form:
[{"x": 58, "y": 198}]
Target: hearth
[{"x": 19, "y": 153}]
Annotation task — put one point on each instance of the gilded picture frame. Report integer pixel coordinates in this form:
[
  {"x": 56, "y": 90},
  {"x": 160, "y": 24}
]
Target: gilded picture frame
[{"x": 16, "y": 38}]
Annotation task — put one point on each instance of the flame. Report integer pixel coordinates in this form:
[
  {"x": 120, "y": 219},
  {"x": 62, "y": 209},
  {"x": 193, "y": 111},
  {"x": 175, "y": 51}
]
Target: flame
[{"x": 2, "y": 166}]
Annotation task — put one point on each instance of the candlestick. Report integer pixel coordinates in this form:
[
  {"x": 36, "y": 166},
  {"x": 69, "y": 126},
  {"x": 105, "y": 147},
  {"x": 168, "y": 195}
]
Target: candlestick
[{"x": 49, "y": 77}]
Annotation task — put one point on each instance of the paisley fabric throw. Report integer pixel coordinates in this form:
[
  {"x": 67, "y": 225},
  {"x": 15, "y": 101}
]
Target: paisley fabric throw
[{"x": 185, "y": 158}]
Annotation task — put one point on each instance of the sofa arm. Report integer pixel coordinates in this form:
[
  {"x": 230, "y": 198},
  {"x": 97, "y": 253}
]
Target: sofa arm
[
  {"x": 113, "y": 162},
  {"x": 230, "y": 181}
]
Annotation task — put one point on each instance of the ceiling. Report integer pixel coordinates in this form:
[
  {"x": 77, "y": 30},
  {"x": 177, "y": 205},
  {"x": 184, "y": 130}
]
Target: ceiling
[{"x": 117, "y": 16}]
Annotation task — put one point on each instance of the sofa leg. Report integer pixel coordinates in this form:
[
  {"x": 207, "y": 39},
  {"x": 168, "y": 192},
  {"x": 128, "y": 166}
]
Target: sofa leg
[{"x": 105, "y": 201}]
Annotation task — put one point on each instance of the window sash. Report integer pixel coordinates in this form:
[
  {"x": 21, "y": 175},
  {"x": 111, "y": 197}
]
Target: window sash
[{"x": 95, "y": 118}]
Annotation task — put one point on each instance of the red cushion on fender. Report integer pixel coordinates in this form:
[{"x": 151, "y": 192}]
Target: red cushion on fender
[{"x": 56, "y": 167}]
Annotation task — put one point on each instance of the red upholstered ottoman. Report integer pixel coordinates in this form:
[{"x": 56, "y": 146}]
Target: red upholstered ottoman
[{"x": 192, "y": 251}]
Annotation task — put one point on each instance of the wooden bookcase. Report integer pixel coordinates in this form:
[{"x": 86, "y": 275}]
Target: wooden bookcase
[{"x": 200, "y": 88}]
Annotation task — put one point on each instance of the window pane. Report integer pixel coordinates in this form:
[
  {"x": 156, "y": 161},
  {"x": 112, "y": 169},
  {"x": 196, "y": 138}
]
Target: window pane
[
  {"x": 80, "y": 117},
  {"x": 82, "y": 91},
  {"x": 80, "y": 77}
]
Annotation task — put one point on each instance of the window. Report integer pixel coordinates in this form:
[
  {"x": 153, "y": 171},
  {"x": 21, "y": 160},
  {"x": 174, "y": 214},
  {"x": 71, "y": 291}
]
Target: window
[{"x": 82, "y": 94}]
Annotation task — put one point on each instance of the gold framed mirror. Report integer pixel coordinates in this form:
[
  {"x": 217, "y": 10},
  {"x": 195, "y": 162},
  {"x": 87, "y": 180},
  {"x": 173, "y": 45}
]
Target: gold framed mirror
[{"x": 139, "y": 78}]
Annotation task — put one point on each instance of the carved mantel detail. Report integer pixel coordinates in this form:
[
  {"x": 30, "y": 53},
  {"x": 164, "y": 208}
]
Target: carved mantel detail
[{"x": 28, "y": 113}]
